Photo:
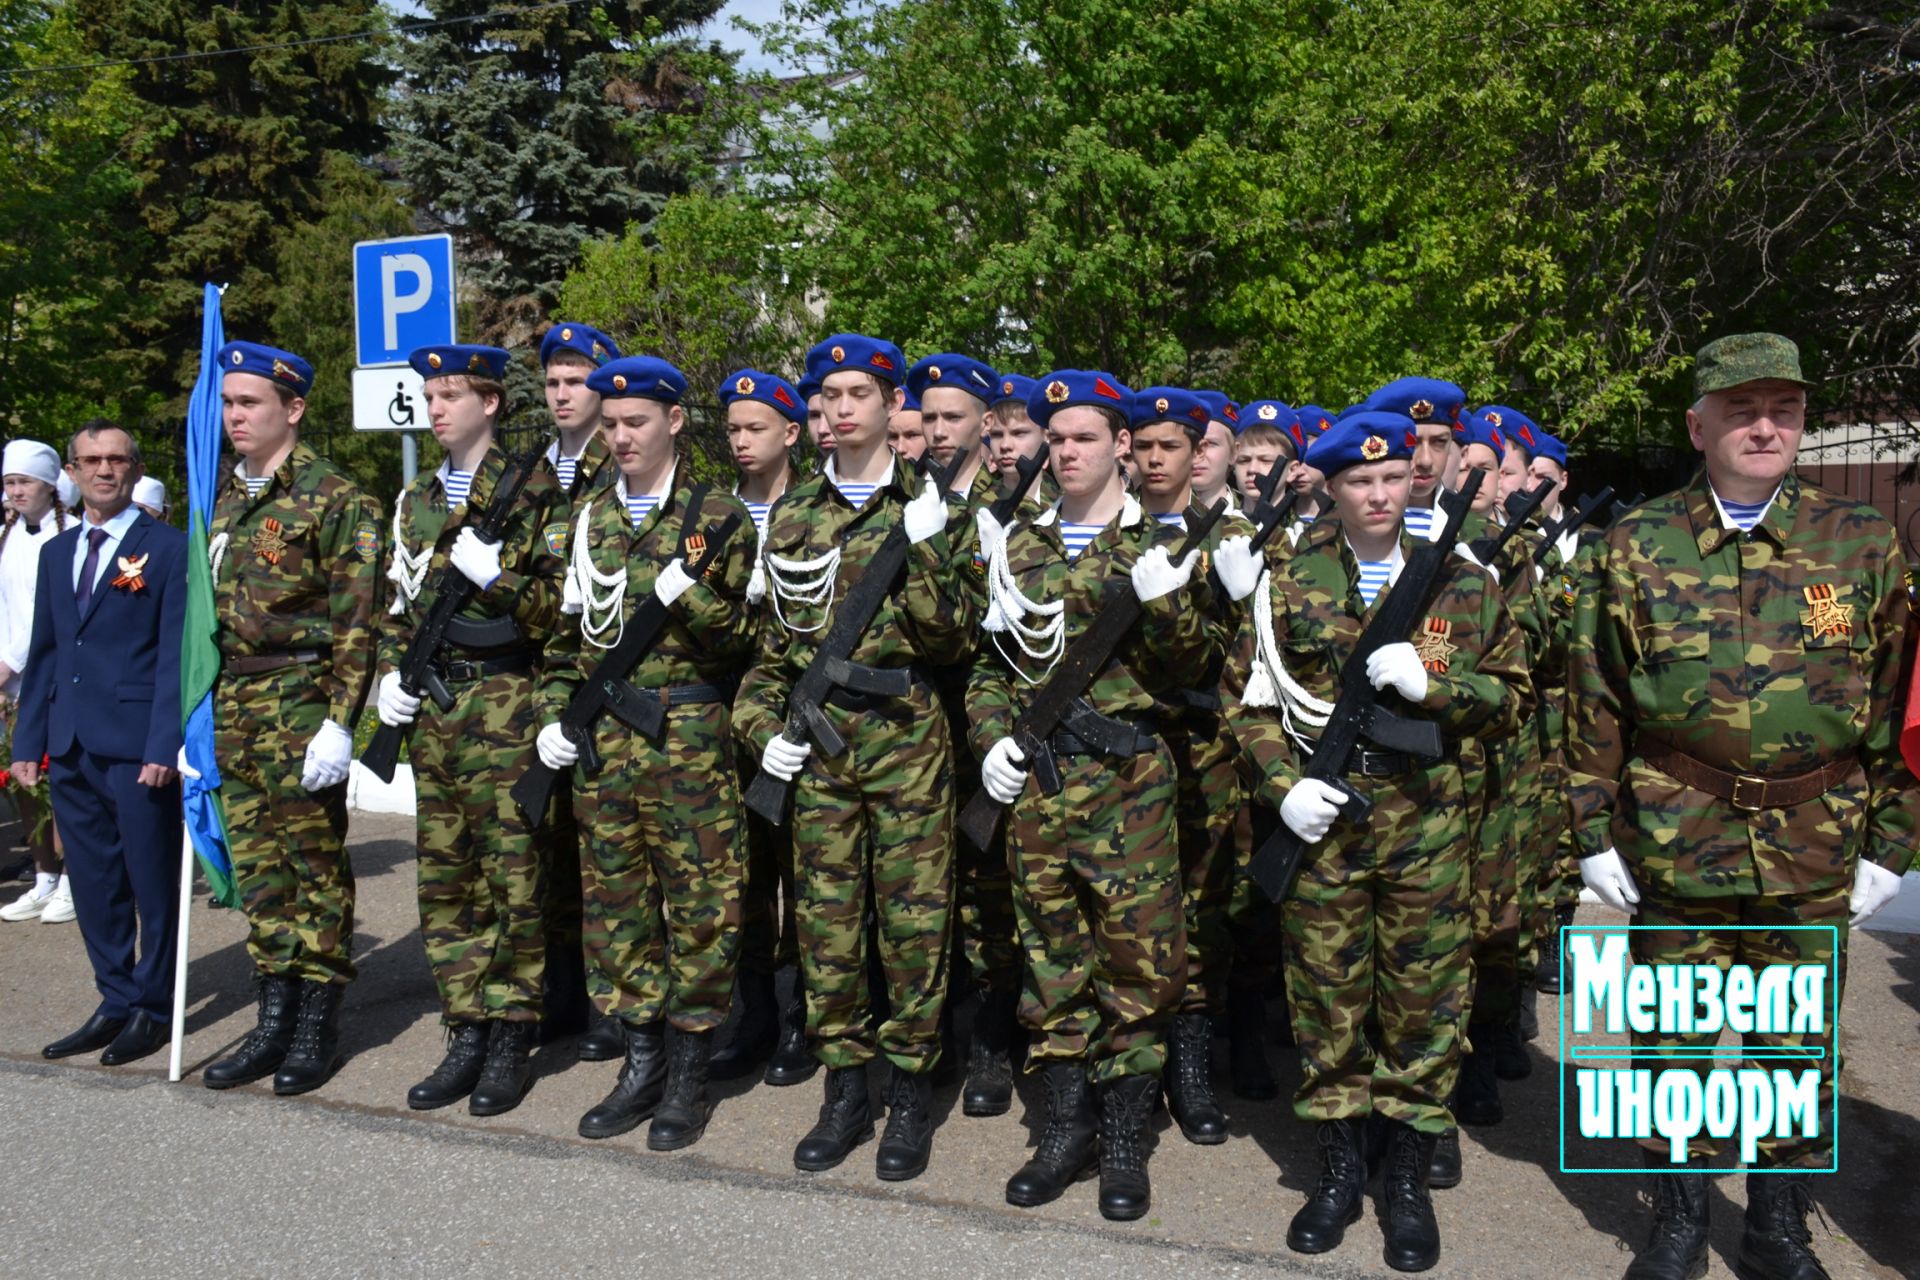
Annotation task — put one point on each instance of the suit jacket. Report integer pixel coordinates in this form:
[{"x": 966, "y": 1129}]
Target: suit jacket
[{"x": 109, "y": 680}]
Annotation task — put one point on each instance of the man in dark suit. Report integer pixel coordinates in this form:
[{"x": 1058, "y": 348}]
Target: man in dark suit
[{"x": 101, "y": 698}]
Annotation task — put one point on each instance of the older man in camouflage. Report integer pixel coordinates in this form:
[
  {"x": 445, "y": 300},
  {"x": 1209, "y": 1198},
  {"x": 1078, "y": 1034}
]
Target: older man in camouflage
[
  {"x": 296, "y": 576},
  {"x": 1732, "y": 763}
]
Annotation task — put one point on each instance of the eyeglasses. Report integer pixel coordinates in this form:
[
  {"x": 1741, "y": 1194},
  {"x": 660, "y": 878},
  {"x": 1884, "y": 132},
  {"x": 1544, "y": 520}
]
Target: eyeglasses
[{"x": 102, "y": 461}]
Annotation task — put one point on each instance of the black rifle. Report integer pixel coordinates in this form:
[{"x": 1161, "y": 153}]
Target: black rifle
[
  {"x": 829, "y": 669},
  {"x": 1359, "y": 712},
  {"x": 1520, "y": 508},
  {"x": 1060, "y": 702},
  {"x": 1024, "y": 470},
  {"x": 452, "y": 592},
  {"x": 1581, "y": 513},
  {"x": 1263, "y": 502},
  {"x": 606, "y": 691}
]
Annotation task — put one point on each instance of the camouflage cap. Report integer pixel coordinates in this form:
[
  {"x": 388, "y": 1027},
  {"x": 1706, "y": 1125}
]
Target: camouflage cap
[{"x": 1745, "y": 357}]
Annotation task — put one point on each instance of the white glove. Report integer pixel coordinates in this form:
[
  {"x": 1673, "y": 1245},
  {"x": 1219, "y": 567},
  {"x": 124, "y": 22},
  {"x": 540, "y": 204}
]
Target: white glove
[
  {"x": 395, "y": 705},
  {"x": 1398, "y": 665},
  {"x": 1873, "y": 888},
  {"x": 329, "y": 758},
  {"x": 479, "y": 561},
  {"x": 990, "y": 532},
  {"x": 1309, "y": 808},
  {"x": 1607, "y": 876},
  {"x": 672, "y": 582},
  {"x": 555, "y": 748},
  {"x": 1154, "y": 574},
  {"x": 783, "y": 759},
  {"x": 926, "y": 515},
  {"x": 182, "y": 767},
  {"x": 1238, "y": 565},
  {"x": 1004, "y": 771}
]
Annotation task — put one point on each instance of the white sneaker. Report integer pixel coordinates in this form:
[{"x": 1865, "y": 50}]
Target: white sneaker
[
  {"x": 30, "y": 904},
  {"x": 59, "y": 908}
]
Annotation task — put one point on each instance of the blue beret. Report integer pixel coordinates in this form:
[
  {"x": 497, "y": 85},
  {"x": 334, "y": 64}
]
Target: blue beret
[
  {"x": 480, "y": 362},
  {"x": 909, "y": 402},
  {"x": 1422, "y": 399},
  {"x": 1221, "y": 409},
  {"x": 1552, "y": 448},
  {"x": 1369, "y": 436},
  {"x": 646, "y": 377},
  {"x": 950, "y": 369},
  {"x": 1514, "y": 425},
  {"x": 283, "y": 367},
  {"x": 1015, "y": 386},
  {"x": 1275, "y": 414},
  {"x": 769, "y": 389},
  {"x": 1313, "y": 419},
  {"x": 1170, "y": 404},
  {"x": 851, "y": 351},
  {"x": 1065, "y": 388},
  {"x": 808, "y": 386},
  {"x": 588, "y": 341},
  {"x": 1474, "y": 428}
]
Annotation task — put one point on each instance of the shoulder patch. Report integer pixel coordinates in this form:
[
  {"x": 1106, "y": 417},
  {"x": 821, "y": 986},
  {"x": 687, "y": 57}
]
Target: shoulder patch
[
  {"x": 366, "y": 541},
  {"x": 556, "y": 536}
]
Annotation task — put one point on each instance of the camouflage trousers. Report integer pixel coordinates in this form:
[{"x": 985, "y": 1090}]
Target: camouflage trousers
[
  {"x": 1098, "y": 894},
  {"x": 288, "y": 844},
  {"x": 769, "y": 939},
  {"x": 1538, "y": 846},
  {"x": 1672, "y": 931},
  {"x": 480, "y": 869},
  {"x": 1253, "y": 921},
  {"x": 1379, "y": 929},
  {"x": 1496, "y": 893},
  {"x": 1207, "y": 811},
  {"x": 662, "y": 870},
  {"x": 873, "y": 832}
]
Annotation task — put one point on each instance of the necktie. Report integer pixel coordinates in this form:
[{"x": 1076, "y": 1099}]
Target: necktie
[{"x": 84, "y": 592}]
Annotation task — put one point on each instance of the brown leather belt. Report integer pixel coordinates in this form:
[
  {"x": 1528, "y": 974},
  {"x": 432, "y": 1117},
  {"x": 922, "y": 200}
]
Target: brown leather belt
[
  {"x": 1748, "y": 792},
  {"x": 261, "y": 663}
]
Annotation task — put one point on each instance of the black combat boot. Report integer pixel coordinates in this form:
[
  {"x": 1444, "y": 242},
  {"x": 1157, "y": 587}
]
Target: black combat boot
[
  {"x": 1126, "y": 1108},
  {"x": 1336, "y": 1202},
  {"x": 1510, "y": 1060},
  {"x": 1529, "y": 1017},
  {"x": 682, "y": 1116},
  {"x": 637, "y": 1093},
  {"x": 266, "y": 1045},
  {"x": 1246, "y": 1045},
  {"x": 1477, "y": 1100},
  {"x": 1776, "y": 1244},
  {"x": 457, "y": 1073},
  {"x": 508, "y": 1072},
  {"x": 1676, "y": 1247},
  {"x": 315, "y": 1053},
  {"x": 1546, "y": 976},
  {"x": 989, "y": 1087},
  {"x": 1444, "y": 1172},
  {"x": 755, "y": 1034},
  {"x": 1068, "y": 1144},
  {"x": 1189, "y": 1081},
  {"x": 605, "y": 1040},
  {"x": 846, "y": 1121},
  {"x": 907, "y": 1141},
  {"x": 1412, "y": 1235},
  {"x": 793, "y": 1061}
]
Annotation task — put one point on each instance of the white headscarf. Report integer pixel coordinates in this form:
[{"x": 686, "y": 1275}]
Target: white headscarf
[{"x": 31, "y": 458}]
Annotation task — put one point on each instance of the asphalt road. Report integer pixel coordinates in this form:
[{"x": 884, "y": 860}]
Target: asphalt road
[{"x": 115, "y": 1169}]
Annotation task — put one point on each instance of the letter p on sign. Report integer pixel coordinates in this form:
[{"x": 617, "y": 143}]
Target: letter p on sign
[{"x": 403, "y": 297}]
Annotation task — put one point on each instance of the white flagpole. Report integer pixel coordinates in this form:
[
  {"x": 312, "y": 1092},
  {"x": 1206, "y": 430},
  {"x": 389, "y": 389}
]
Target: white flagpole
[{"x": 180, "y": 956}]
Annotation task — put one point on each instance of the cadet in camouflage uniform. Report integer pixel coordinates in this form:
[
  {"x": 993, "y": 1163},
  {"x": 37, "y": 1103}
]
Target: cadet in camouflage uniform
[
  {"x": 1168, "y": 426},
  {"x": 580, "y": 462},
  {"x": 1011, "y": 436},
  {"x": 954, "y": 391},
  {"x": 1732, "y": 761},
  {"x": 296, "y": 579},
  {"x": 479, "y": 868},
  {"x": 1097, "y": 865},
  {"x": 872, "y": 829},
  {"x": 663, "y": 837},
  {"x": 1379, "y": 920}
]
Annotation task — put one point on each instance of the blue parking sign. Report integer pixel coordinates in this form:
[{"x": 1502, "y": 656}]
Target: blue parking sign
[{"x": 403, "y": 297}]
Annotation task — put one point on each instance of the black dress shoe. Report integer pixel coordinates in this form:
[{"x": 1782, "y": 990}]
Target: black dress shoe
[
  {"x": 140, "y": 1037},
  {"x": 97, "y": 1033}
]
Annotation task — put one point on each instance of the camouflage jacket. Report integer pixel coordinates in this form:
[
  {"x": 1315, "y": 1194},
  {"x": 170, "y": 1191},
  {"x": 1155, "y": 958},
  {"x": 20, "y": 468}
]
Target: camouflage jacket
[
  {"x": 532, "y": 553},
  {"x": 1477, "y": 681},
  {"x": 929, "y": 619},
  {"x": 592, "y": 470},
  {"x": 710, "y": 633},
  {"x": 1773, "y": 652},
  {"x": 1175, "y": 635},
  {"x": 301, "y": 570}
]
